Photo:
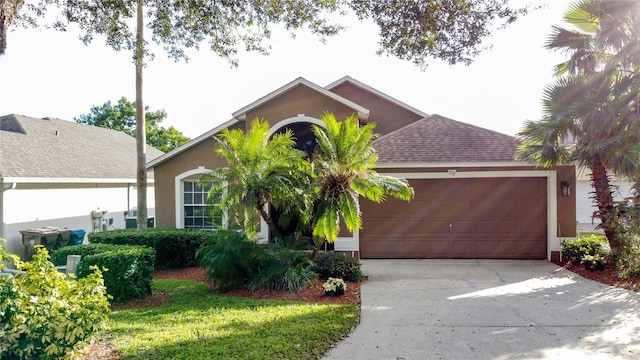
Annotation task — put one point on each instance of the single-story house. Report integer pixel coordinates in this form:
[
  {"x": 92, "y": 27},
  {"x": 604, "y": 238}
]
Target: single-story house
[
  {"x": 472, "y": 199},
  {"x": 63, "y": 174}
]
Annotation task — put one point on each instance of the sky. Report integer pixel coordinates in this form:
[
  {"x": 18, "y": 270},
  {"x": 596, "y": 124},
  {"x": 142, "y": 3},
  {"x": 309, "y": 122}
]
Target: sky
[{"x": 45, "y": 73}]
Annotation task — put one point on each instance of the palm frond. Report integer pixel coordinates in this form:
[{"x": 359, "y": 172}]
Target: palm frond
[
  {"x": 327, "y": 224},
  {"x": 350, "y": 210}
]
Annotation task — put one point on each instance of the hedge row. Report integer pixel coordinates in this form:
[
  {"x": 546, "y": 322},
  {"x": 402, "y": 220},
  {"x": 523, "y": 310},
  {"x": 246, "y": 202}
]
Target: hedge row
[
  {"x": 175, "y": 248},
  {"x": 129, "y": 268}
]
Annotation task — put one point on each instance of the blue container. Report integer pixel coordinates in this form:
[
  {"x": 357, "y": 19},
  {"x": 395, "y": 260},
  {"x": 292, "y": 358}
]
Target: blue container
[{"x": 76, "y": 237}]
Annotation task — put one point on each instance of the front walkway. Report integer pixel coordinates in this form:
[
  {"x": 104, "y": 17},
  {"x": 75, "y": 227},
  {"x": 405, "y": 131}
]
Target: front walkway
[{"x": 489, "y": 309}]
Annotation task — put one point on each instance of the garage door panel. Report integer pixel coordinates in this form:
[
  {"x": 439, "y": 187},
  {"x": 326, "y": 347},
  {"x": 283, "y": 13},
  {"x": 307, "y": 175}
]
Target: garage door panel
[
  {"x": 503, "y": 228},
  {"x": 532, "y": 249},
  {"x": 439, "y": 247},
  {"x": 532, "y": 226},
  {"x": 486, "y": 248},
  {"x": 462, "y": 227},
  {"x": 509, "y": 210},
  {"x": 436, "y": 228},
  {"x": 490, "y": 218},
  {"x": 463, "y": 248}
]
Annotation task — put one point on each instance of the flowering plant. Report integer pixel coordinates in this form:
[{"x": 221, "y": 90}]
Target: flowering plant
[
  {"x": 334, "y": 287},
  {"x": 593, "y": 262}
]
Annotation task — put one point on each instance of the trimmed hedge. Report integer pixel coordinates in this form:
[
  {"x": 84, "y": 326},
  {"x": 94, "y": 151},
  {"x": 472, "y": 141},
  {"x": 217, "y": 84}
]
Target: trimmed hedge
[
  {"x": 129, "y": 268},
  {"x": 175, "y": 248},
  {"x": 338, "y": 266}
]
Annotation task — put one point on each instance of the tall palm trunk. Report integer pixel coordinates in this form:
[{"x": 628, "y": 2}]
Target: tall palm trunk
[
  {"x": 141, "y": 148},
  {"x": 605, "y": 205}
]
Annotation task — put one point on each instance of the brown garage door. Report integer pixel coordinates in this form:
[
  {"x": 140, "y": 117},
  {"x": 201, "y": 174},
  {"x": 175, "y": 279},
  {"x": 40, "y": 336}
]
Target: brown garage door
[{"x": 483, "y": 218}]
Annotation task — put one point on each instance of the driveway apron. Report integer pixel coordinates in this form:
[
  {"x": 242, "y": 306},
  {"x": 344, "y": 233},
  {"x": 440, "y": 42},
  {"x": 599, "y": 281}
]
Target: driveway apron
[{"x": 489, "y": 309}]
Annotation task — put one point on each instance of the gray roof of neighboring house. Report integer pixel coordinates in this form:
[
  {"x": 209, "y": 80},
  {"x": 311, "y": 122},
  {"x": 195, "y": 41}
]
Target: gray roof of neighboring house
[
  {"x": 59, "y": 149},
  {"x": 437, "y": 139}
]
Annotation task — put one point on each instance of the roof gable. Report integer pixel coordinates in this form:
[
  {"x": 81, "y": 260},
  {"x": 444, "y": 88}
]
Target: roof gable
[
  {"x": 375, "y": 92},
  {"x": 363, "y": 113},
  {"x": 437, "y": 139},
  {"x": 388, "y": 113},
  {"x": 59, "y": 149}
]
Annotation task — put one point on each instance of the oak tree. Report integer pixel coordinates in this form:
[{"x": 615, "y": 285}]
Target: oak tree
[{"x": 122, "y": 117}]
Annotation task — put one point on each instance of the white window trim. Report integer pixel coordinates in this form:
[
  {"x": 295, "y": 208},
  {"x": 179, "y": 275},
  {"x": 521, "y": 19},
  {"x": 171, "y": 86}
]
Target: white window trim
[
  {"x": 292, "y": 120},
  {"x": 179, "y": 197}
]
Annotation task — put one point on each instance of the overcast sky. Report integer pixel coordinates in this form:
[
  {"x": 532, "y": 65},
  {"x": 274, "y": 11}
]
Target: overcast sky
[{"x": 45, "y": 73}]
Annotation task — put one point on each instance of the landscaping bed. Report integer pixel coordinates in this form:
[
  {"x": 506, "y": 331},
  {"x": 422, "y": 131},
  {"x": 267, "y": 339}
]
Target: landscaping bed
[{"x": 607, "y": 276}]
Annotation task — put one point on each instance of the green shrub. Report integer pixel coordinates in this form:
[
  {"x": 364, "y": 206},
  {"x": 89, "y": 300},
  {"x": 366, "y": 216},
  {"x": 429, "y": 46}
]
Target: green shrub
[
  {"x": 628, "y": 264},
  {"x": 574, "y": 250},
  {"x": 44, "y": 315},
  {"x": 175, "y": 248},
  {"x": 338, "y": 266},
  {"x": 232, "y": 260},
  {"x": 283, "y": 269},
  {"x": 129, "y": 268}
]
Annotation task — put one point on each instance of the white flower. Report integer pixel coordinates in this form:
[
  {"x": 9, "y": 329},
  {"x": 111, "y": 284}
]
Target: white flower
[{"x": 334, "y": 285}]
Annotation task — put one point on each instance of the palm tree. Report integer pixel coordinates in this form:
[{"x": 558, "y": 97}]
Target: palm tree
[
  {"x": 260, "y": 171},
  {"x": 342, "y": 170},
  {"x": 593, "y": 102}
]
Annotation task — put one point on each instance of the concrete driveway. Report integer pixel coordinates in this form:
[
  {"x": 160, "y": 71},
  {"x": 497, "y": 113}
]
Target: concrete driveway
[{"x": 489, "y": 309}]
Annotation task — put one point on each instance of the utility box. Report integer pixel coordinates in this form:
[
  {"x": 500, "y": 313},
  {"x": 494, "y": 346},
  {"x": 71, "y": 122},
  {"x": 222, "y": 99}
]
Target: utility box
[
  {"x": 51, "y": 237},
  {"x": 132, "y": 223}
]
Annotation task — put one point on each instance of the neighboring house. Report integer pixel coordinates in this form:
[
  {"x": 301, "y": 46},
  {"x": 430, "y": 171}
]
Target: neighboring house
[
  {"x": 472, "y": 199},
  {"x": 59, "y": 173},
  {"x": 585, "y": 206}
]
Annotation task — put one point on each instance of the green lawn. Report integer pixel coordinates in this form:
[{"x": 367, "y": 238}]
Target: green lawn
[{"x": 200, "y": 324}]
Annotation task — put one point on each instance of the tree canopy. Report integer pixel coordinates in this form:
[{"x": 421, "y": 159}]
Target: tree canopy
[
  {"x": 122, "y": 117},
  {"x": 416, "y": 31}
]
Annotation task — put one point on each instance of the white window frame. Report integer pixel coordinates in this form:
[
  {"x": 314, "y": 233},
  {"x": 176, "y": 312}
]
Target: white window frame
[{"x": 179, "y": 195}]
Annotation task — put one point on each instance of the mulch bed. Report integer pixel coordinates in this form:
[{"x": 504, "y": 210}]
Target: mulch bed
[
  {"x": 607, "y": 276},
  {"x": 313, "y": 293}
]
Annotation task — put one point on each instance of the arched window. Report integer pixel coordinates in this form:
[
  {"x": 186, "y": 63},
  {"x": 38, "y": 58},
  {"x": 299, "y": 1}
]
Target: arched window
[{"x": 301, "y": 126}]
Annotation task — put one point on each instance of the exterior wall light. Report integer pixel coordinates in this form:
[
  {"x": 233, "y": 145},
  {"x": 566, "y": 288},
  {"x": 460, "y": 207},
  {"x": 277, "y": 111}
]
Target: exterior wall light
[{"x": 566, "y": 188}]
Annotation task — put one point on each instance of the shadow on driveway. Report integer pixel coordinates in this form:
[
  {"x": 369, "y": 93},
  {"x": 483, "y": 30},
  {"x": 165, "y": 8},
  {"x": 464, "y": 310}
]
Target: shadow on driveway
[{"x": 489, "y": 309}]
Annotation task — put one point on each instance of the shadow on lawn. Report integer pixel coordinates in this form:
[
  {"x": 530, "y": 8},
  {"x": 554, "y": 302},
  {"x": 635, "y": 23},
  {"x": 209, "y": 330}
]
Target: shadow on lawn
[{"x": 200, "y": 324}]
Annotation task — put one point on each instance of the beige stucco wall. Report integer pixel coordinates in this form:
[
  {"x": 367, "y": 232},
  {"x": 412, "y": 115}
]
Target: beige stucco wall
[
  {"x": 299, "y": 100},
  {"x": 200, "y": 155},
  {"x": 387, "y": 116}
]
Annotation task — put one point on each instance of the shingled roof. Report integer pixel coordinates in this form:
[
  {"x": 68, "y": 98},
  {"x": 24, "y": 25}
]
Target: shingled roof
[
  {"x": 59, "y": 149},
  {"x": 437, "y": 139}
]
